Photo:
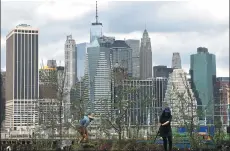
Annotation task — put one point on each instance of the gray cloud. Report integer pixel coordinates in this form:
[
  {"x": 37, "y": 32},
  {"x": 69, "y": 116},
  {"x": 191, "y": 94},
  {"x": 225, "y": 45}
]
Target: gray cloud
[
  {"x": 126, "y": 17},
  {"x": 14, "y": 11},
  {"x": 123, "y": 18}
]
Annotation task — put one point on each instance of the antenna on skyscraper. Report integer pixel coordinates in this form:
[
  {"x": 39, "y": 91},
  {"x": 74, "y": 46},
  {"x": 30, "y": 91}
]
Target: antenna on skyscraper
[{"x": 96, "y": 13}]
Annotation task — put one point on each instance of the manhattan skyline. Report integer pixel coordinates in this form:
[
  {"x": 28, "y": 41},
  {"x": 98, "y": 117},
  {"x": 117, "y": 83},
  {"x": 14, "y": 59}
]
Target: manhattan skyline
[{"x": 171, "y": 29}]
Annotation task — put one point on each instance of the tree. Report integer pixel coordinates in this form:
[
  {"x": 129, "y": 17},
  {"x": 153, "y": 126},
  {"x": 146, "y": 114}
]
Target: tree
[
  {"x": 79, "y": 99},
  {"x": 53, "y": 92},
  {"x": 183, "y": 103},
  {"x": 125, "y": 96}
]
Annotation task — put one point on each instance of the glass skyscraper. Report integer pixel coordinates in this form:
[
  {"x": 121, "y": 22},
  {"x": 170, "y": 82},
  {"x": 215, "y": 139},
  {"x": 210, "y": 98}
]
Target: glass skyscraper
[
  {"x": 203, "y": 77},
  {"x": 122, "y": 54},
  {"x": 135, "y": 46},
  {"x": 81, "y": 57},
  {"x": 98, "y": 72}
]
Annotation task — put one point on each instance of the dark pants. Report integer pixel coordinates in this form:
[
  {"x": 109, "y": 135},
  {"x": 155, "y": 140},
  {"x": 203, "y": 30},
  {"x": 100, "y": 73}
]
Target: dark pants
[{"x": 166, "y": 140}]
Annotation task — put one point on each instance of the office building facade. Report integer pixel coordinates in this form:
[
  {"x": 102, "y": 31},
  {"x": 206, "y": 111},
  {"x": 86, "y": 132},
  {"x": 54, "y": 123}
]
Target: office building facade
[
  {"x": 99, "y": 77},
  {"x": 22, "y": 77},
  {"x": 161, "y": 71},
  {"x": 135, "y": 46},
  {"x": 122, "y": 54},
  {"x": 51, "y": 63},
  {"x": 176, "y": 61},
  {"x": 48, "y": 87},
  {"x": 180, "y": 98},
  {"x": 70, "y": 71},
  {"x": 81, "y": 58},
  {"x": 145, "y": 57},
  {"x": 147, "y": 97},
  {"x": 70, "y": 62},
  {"x": 222, "y": 103},
  {"x": 3, "y": 96},
  {"x": 203, "y": 79}
]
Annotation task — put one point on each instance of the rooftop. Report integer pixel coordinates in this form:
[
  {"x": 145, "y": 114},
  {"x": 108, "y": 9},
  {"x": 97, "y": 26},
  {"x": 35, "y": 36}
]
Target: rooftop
[
  {"x": 120, "y": 43},
  {"x": 202, "y": 50},
  {"x": 23, "y": 25}
]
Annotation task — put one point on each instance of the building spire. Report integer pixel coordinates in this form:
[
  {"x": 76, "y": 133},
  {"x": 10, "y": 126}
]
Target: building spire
[
  {"x": 96, "y": 13},
  {"x": 96, "y": 16}
]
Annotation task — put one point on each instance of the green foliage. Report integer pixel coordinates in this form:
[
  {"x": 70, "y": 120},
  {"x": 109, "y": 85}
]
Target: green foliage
[
  {"x": 79, "y": 99},
  {"x": 219, "y": 136}
]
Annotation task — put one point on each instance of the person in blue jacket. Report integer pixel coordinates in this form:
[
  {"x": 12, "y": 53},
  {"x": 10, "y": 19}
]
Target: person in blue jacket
[{"x": 84, "y": 123}]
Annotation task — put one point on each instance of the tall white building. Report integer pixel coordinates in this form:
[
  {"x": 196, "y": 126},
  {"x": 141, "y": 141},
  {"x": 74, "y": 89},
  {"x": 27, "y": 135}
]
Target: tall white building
[
  {"x": 180, "y": 98},
  {"x": 70, "y": 63},
  {"x": 135, "y": 46},
  {"x": 70, "y": 69}
]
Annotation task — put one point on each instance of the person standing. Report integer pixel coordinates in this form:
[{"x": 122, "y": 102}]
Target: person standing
[
  {"x": 165, "y": 128},
  {"x": 84, "y": 123}
]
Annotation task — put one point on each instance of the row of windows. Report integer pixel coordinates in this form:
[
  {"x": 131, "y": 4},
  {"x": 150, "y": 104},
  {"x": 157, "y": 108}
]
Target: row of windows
[
  {"x": 22, "y": 102},
  {"x": 26, "y": 31}
]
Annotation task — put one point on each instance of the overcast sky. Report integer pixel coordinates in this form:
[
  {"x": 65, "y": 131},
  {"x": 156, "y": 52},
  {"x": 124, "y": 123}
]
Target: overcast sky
[{"x": 172, "y": 26}]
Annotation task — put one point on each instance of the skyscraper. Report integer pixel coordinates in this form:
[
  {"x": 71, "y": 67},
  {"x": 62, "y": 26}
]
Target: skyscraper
[
  {"x": 122, "y": 54},
  {"x": 222, "y": 91},
  {"x": 81, "y": 57},
  {"x": 96, "y": 28},
  {"x": 70, "y": 72},
  {"x": 160, "y": 86},
  {"x": 148, "y": 96},
  {"x": 22, "y": 75},
  {"x": 105, "y": 41},
  {"x": 145, "y": 56},
  {"x": 135, "y": 46},
  {"x": 2, "y": 95},
  {"x": 51, "y": 63},
  {"x": 203, "y": 79},
  {"x": 176, "y": 61},
  {"x": 2, "y": 104},
  {"x": 70, "y": 54},
  {"x": 180, "y": 98},
  {"x": 143, "y": 95},
  {"x": 98, "y": 72},
  {"x": 48, "y": 81},
  {"x": 161, "y": 71}
]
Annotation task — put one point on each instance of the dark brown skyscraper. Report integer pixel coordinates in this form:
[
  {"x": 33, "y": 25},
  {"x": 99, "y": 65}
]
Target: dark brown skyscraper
[
  {"x": 22, "y": 87},
  {"x": 145, "y": 57}
]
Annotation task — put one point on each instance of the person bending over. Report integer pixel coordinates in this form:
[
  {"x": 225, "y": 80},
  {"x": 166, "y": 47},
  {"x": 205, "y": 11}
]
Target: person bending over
[
  {"x": 84, "y": 123},
  {"x": 165, "y": 128}
]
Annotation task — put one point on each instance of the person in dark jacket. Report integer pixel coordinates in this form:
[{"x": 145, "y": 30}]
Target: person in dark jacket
[{"x": 165, "y": 128}]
